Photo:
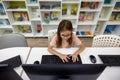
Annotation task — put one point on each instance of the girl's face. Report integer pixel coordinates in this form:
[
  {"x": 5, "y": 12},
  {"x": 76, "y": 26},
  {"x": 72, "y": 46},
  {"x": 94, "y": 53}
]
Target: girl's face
[{"x": 65, "y": 35}]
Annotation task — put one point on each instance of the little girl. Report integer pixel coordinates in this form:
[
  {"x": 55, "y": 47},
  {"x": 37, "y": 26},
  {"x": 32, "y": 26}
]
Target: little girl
[{"x": 64, "y": 39}]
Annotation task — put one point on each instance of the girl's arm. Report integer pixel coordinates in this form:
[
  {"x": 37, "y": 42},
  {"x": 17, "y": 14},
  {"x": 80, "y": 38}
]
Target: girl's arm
[{"x": 74, "y": 55}]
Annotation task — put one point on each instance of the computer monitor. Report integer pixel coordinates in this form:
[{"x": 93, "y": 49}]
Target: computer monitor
[
  {"x": 63, "y": 71},
  {"x": 7, "y": 73}
]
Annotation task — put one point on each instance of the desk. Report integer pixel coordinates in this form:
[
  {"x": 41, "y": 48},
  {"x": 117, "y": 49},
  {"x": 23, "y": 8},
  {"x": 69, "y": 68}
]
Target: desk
[
  {"x": 110, "y": 73},
  {"x": 11, "y": 52}
]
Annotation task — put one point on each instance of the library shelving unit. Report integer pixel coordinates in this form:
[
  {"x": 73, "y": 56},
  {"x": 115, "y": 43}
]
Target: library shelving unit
[
  {"x": 109, "y": 19},
  {"x": 34, "y": 18},
  {"x": 5, "y": 26}
]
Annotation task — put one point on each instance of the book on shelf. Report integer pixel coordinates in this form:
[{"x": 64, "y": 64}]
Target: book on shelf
[
  {"x": 89, "y": 5},
  {"x": 44, "y": 6},
  {"x": 54, "y": 15},
  {"x": 118, "y": 17},
  {"x": 88, "y": 33},
  {"x": 9, "y": 31},
  {"x": 115, "y": 16},
  {"x": 64, "y": 9},
  {"x": 89, "y": 16},
  {"x": 17, "y": 5},
  {"x": 85, "y": 33},
  {"x": 33, "y": 1},
  {"x": 4, "y": 22},
  {"x": 86, "y": 16},
  {"x": 117, "y": 6},
  {"x": 107, "y": 1},
  {"x": 74, "y": 9},
  {"x": 2, "y": 10},
  {"x": 24, "y": 28},
  {"x": 82, "y": 16},
  {"x": 20, "y": 16},
  {"x": 56, "y": 6},
  {"x": 46, "y": 17},
  {"x": 39, "y": 28},
  {"x": 109, "y": 29}
]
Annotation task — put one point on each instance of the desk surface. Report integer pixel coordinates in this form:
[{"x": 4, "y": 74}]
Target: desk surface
[
  {"x": 110, "y": 73},
  {"x": 11, "y": 52}
]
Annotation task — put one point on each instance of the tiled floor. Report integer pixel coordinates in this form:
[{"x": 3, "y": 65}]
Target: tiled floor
[{"x": 43, "y": 42}]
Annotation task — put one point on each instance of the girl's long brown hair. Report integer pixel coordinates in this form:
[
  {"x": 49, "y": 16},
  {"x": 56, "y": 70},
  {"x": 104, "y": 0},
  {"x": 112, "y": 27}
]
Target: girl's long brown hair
[{"x": 63, "y": 26}]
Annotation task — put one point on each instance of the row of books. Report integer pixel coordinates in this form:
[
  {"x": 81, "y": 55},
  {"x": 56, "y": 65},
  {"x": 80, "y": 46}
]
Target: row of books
[
  {"x": 109, "y": 29},
  {"x": 50, "y": 16},
  {"x": 83, "y": 33},
  {"x": 86, "y": 16},
  {"x": 24, "y": 28},
  {"x": 117, "y": 6},
  {"x": 20, "y": 16},
  {"x": 115, "y": 16},
  {"x": 46, "y": 6},
  {"x": 27, "y": 28},
  {"x": 4, "y": 22},
  {"x": 33, "y": 1},
  {"x": 73, "y": 9},
  {"x": 2, "y": 10},
  {"x": 90, "y": 5},
  {"x": 16, "y": 5}
]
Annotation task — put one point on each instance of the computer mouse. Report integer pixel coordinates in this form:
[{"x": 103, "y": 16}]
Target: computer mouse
[
  {"x": 36, "y": 62},
  {"x": 93, "y": 59}
]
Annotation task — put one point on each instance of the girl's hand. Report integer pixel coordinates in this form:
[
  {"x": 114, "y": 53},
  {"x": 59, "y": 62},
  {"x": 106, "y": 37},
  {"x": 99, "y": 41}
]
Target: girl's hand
[
  {"x": 64, "y": 57},
  {"x": 74, "y": 58}
]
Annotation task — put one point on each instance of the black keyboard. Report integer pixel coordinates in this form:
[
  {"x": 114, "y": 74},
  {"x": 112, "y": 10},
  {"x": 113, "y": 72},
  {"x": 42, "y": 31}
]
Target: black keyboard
[
  {"x": 53, "y": 59},
  {"x": 13, "y": 62},
  {"x": 110, "y": 60}
]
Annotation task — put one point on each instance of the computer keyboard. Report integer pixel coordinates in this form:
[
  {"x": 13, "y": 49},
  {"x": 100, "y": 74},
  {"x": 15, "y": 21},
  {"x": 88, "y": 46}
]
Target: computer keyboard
[
  {"x": 53, "y": 59},
  {"x": 110, "y": 60},
  {"x": 13, "y": 62}
]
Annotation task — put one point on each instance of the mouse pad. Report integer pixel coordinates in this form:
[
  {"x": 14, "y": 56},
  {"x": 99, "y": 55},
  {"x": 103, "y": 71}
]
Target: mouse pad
[{"x": 53, "y": 59}]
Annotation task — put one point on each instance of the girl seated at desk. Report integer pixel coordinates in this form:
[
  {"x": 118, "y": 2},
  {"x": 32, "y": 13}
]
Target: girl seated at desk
[{"x": 65, "y": 38}]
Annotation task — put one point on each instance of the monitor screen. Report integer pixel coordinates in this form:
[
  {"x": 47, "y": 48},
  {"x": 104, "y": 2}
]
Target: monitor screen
[
  {"x": 63, "y": 71},
  {"x": 7, "y": 73}
]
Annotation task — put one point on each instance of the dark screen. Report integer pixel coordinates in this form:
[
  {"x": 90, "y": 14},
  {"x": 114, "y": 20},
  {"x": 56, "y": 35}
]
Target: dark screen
[
  {"x": 63, "y": 71},
  {"x": 7, "y": 73}
]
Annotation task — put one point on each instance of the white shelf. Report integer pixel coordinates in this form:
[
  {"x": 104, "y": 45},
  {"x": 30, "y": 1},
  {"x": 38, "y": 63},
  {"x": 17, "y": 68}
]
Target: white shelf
[
  {"x": 85, "y": 36},
  {"x": 116, "y": 10},
  {"x": 3, "y": 17},
  {"x": 35, "y": 19},
  {"x": 93, "y": 0},
  {"x": 33, "y": 5},
  {"x": 40, "y": 16},
  {"x": 21, "y": 23},
  {"x": 102, "y": 19},
  {"x": 113, "y": 23},
  {"x": 16, "y": 10},
  {"x": 13, "y": 0},
  {"x": 50, "y": 0},
  {"x": 69, "y": 17},
  {"x": 86, "y": 23},
  {"x": 48, "y": 10},
  {"x": 70, "y": 2},
  {"x": 89, "y": 10},
  {"x": 5, "y": 27},
  {"x": 51, "y": 23}
]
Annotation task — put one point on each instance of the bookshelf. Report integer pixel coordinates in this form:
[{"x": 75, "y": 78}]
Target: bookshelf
[{"x": 34, "y": 18}]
